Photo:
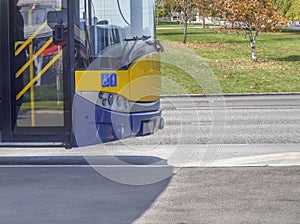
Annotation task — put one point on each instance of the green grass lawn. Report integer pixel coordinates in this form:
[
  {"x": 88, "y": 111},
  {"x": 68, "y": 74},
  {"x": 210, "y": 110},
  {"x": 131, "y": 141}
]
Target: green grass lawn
[
  {"x": 43, "y": 105},
  {"x": 229, "y": 58}
]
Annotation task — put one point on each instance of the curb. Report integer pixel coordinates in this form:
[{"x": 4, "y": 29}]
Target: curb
[{"x": 81, "y": 161}]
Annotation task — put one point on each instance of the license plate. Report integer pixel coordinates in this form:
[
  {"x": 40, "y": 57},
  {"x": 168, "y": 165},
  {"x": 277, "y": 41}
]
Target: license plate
[{"x": 148, "y": 127}]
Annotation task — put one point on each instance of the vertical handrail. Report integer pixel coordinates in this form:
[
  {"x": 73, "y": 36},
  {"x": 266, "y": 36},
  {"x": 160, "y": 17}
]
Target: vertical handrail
[{"x": 31, "y": 75}]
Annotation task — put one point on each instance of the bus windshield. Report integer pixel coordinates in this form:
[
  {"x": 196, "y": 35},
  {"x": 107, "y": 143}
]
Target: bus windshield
[
  {"x": 136, "y": 17},
  {"x": 115, "y": 26}
]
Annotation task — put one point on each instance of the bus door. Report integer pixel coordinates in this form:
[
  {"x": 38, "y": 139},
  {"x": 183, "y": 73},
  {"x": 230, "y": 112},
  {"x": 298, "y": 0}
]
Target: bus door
[{"x": 35, "y": 72}]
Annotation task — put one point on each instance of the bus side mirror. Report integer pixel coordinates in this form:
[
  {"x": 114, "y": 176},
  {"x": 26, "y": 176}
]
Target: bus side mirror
[{"x": 58, "y": 21}]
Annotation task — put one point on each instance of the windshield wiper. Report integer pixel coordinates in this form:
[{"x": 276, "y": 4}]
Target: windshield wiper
[{"x": 138, "y": 38}]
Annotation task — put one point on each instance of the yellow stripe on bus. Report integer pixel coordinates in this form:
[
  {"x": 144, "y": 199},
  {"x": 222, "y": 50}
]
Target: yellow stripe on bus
[
  {"x": 145, "y": 78},
  {"x": 90, "y": 81},
  {"x": 141, "y": 82}
]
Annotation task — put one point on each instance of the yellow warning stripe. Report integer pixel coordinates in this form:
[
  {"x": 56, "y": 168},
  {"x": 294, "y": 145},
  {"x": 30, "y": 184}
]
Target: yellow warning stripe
[
  {"x": 38, "y": 53},
  {"x": 27, "y": 42},
  {"x": 42, "y": 72}
]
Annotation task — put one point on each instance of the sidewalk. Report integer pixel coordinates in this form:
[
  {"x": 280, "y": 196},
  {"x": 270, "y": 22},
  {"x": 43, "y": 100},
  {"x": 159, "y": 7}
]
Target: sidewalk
[{"x": 174, "y": 155}]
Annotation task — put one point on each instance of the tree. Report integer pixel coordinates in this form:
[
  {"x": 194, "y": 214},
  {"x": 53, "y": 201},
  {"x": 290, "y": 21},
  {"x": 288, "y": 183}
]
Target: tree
[
  {"x": 204, "y": 9},
  {"x": 284, "y": 5},
  {"x": 290, "y": 8},
  {"x": 294, "y": 11},
  {"x": 187, "y": 10},
  {"x": 159, "y": 10},
  {"x": 166, "y": 8},
  {"x": 251, "y": 15}
]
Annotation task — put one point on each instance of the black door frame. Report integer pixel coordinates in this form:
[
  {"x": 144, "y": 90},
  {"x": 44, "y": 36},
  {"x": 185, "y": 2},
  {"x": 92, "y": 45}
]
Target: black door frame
[
  {"x": 7, "y": 99},
  {"x": 6, "y": 50}
]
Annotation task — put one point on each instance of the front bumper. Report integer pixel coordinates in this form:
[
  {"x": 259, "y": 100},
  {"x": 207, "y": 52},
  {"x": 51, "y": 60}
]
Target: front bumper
[{"x": 94, "y": 125}]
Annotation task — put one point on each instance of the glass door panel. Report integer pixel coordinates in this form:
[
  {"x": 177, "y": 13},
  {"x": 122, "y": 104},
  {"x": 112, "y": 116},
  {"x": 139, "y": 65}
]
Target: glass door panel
[{"x": 39, "y": 65}]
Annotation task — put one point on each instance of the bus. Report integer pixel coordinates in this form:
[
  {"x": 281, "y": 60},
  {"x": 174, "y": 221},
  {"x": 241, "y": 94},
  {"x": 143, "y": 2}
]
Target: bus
[{"x": 78, "y": 72}]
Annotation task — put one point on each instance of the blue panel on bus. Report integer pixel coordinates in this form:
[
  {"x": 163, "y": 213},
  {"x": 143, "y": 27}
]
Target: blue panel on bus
[{"x": 108, "y": 79}]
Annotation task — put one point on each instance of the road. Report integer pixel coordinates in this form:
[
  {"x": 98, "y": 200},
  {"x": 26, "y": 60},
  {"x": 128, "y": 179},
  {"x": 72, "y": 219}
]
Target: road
[
  {"x": 235, "y": 120},
  {"x": 192, "y": 195},
  {"x": 199, "y": 169}
]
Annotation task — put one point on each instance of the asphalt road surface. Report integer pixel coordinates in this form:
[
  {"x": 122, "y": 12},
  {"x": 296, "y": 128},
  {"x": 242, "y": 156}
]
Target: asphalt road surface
[
  {"x": 260, "y": 119},
  {"x": 199, "y": 169},
  {"x": 192, "y": 195}
]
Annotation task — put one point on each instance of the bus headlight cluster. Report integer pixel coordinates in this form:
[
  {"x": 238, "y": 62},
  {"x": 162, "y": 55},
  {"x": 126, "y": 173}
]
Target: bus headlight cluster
[{"x": 113, "y": 102}]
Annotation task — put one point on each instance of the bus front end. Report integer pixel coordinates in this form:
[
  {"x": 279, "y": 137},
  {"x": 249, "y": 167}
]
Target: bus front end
[{"x": 117, "y": 71}]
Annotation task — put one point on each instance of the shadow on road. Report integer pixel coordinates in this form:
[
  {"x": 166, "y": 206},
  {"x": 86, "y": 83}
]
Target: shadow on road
[{"x": 64, "y": 193}]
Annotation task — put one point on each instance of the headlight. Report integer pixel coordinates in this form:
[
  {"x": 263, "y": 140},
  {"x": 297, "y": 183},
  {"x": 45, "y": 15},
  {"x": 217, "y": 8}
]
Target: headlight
[
  {"x": 122, "y": 102},
  {"x": 110, "y": 99},
  {"x": 113, "y": 102}
]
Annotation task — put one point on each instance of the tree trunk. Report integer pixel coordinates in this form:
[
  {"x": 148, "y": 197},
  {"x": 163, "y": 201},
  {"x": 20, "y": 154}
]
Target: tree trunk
[
  {"x": 203, "y": 22},
  {"x": 252, "y": 40},
  {"x": 253, "y": 50},
  {"x": 185, "y": 30}
]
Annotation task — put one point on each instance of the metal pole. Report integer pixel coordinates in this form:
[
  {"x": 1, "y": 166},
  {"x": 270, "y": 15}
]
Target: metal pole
[{"x": 32, "y": 100}]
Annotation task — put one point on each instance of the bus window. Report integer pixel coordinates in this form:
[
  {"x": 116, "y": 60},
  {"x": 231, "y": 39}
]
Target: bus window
[{"x": 108, "y": 31}]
